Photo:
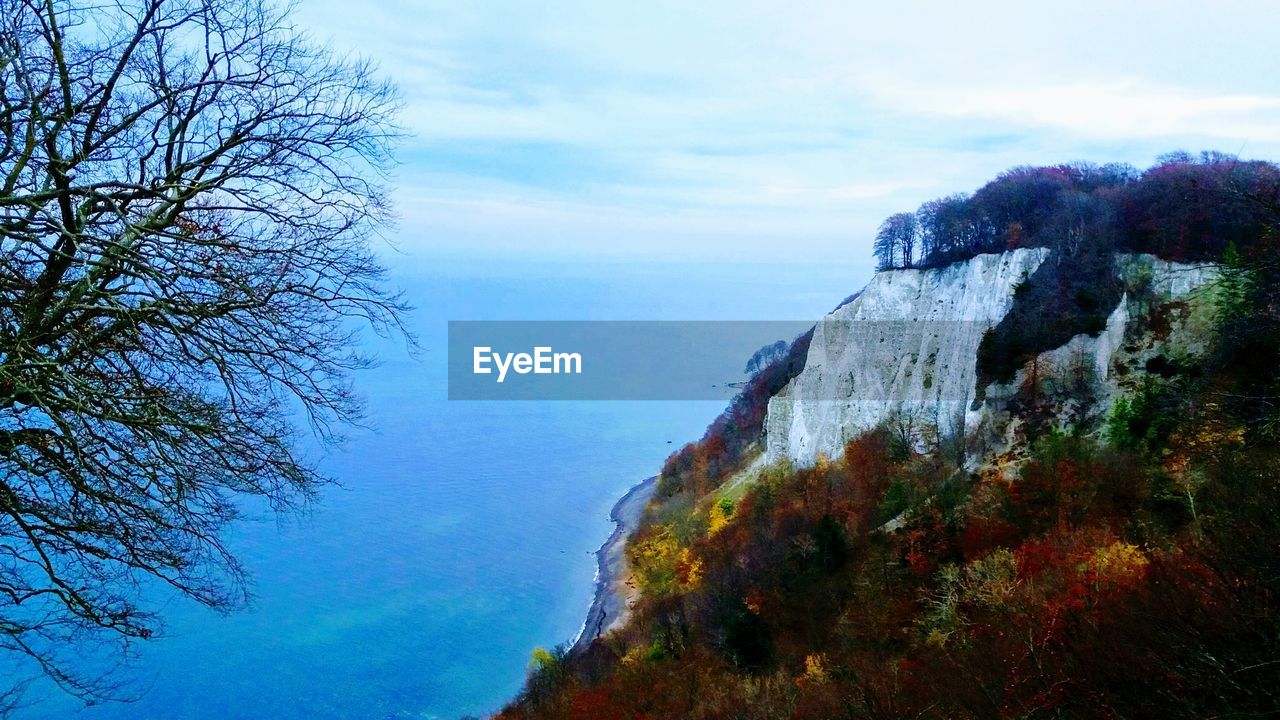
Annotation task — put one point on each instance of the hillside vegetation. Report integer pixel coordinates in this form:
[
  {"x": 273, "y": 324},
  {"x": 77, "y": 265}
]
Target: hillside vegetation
[{"x": 1125, "y": 566}]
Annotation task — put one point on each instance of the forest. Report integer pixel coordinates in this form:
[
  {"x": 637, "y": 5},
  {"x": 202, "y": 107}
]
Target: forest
[
  {"x": 1117, "y": 567},
  {"x": 1183, "y": 208}
]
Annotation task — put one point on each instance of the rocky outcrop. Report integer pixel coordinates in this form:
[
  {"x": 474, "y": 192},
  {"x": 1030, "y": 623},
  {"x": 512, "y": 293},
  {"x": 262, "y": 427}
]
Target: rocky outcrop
[{"x": 908, "y": 344}]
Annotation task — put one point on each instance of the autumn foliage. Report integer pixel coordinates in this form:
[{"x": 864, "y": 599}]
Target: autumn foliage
[
  {"x": 1077, "y": 590},
  {"x": 1183, "y": 208},
  {"x": 699, "y": 467}
]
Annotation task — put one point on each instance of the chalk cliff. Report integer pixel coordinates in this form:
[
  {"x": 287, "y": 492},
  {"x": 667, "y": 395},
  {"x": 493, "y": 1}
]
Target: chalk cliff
[{"x": 908, "y": 343}]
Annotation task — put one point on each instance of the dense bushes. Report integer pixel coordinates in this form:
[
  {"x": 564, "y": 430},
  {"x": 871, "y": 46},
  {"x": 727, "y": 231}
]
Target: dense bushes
[
  {"x": 1072, "y": 592},
  {"x": 1077, "y": 590}
]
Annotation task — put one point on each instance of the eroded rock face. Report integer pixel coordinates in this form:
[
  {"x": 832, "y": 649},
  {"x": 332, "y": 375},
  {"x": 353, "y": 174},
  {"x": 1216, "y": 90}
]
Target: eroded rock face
[{"x": 908, "y": 343}]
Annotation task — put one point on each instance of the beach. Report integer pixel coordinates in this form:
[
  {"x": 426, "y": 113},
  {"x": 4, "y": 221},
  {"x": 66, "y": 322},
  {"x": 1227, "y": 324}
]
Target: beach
[{"x": 612, "y": 596}]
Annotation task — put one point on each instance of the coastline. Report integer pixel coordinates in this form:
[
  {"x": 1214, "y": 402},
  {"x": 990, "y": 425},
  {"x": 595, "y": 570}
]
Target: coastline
[{"x": 611, "y": 601}]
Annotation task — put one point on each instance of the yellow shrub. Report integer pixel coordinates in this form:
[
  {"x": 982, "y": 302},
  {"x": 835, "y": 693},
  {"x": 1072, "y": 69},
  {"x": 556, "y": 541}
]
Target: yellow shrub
[
  {"x": 542, "y": 659},
  {"x": 635, "y": 656},
  {"x": 815, "y": 670},
  {"x": 689, "y": 568},
  {"x": 719, "y": 516},
  {"x": 1118, "y": 561},
  {"x": 991, "y": 580},
  {"x": 654, "y": 561}
]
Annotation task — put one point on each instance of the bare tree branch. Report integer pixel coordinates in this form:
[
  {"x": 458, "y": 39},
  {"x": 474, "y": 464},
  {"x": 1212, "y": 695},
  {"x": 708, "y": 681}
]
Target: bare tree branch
[{"x": 188, "y": 189}]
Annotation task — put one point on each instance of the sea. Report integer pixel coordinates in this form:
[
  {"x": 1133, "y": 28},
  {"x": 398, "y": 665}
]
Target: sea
[{"x": 460, "y": 534}]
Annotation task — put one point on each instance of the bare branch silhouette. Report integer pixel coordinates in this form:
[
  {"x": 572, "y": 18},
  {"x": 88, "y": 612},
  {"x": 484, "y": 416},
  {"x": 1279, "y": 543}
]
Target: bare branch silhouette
[{"x": 188, "y": 190}]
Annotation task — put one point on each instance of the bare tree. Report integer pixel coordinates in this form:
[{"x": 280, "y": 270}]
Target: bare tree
[
  {"x": 945, "y": 434},
  {"x": 886, "y": 248},
  {"x": 895, "y": 241},
  {"x": 188, "y": 190},
  {"x": 905, "y": 427}
]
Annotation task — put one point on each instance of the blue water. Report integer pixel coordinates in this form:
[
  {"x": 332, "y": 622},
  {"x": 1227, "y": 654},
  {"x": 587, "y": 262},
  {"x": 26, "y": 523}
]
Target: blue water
[{"x": 462, "y": 534}]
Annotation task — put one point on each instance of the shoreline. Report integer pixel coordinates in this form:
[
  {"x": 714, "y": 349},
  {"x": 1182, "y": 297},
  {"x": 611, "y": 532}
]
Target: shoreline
[{"x": 609, "y": 604}]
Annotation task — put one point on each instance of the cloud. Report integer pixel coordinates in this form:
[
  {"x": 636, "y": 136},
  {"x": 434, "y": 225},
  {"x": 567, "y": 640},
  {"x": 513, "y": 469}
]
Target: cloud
[
  {"x": 1130, "y": 109},
  {"x": 713, "y": 121}
]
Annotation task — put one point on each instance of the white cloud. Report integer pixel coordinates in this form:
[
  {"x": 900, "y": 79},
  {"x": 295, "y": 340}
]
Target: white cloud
[
  {"x": 731, "y": 118},
  {"x": 1124, "y": 110}
]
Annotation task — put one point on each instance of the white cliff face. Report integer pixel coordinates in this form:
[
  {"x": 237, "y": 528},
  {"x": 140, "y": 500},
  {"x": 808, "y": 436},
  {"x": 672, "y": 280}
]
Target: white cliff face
[
  {"x": 1164, "y": 281},
  {"x": 1168, "y": 280},
  {"x": 908, "y": 342}
]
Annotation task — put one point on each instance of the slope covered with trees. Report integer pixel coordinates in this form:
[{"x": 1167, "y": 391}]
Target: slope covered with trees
[{"x": 1123, "y": 566}]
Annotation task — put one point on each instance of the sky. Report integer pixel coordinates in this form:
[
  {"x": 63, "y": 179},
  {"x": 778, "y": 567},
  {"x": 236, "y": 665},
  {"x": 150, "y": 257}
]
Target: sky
[{"x": 771, "y": 131}]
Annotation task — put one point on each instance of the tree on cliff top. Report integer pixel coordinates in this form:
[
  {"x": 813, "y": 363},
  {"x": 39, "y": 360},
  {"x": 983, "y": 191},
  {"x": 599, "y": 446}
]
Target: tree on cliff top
[
  {"x": 895, "y": 245},
  {"x": 188, "y": 189}
]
